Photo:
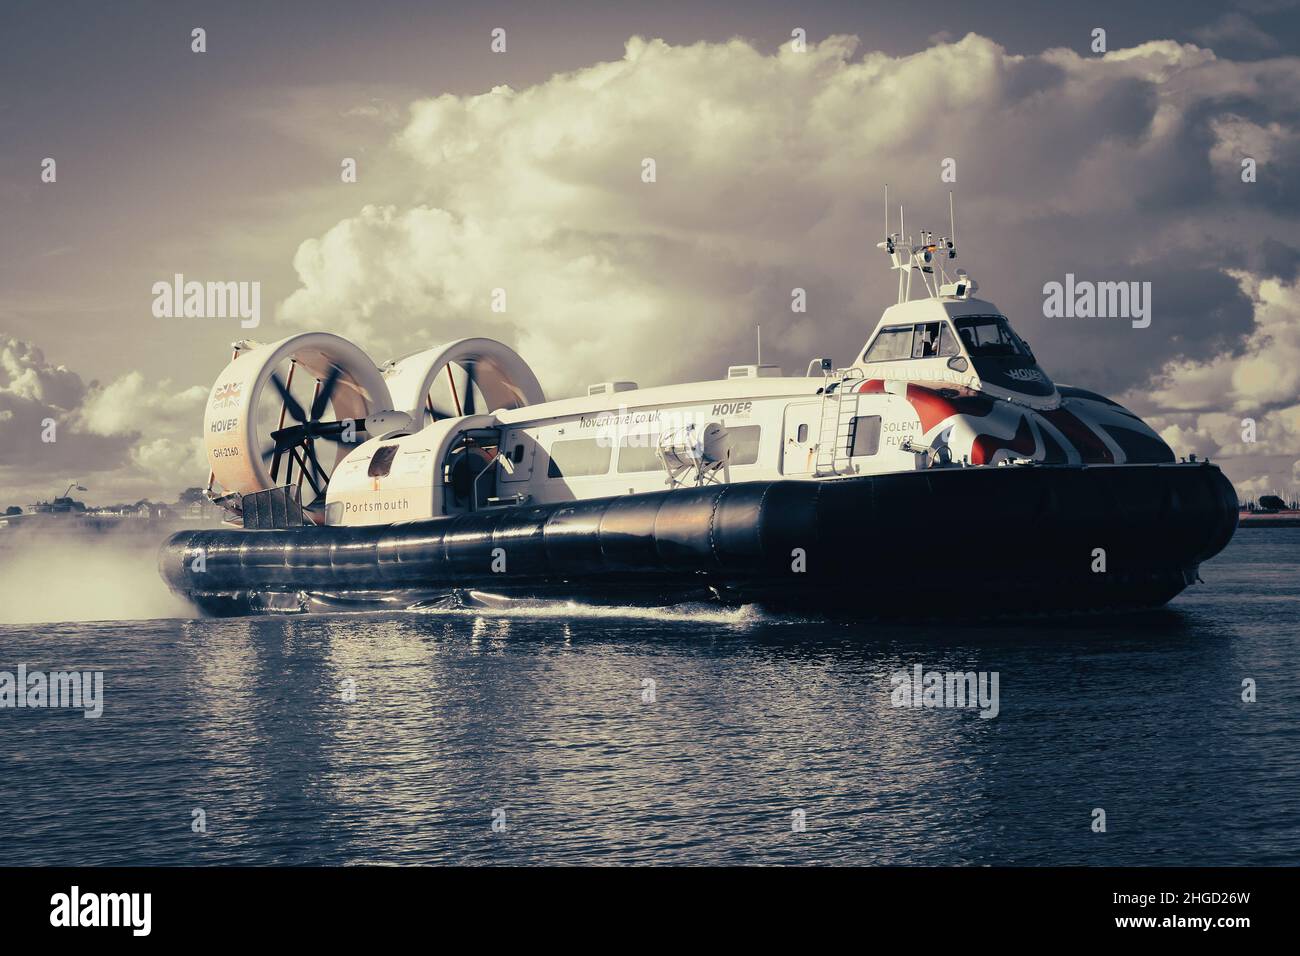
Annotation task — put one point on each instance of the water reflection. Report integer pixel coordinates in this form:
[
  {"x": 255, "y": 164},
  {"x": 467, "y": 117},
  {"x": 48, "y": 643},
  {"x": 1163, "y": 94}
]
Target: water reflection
[{"x": 540, "y": 713}]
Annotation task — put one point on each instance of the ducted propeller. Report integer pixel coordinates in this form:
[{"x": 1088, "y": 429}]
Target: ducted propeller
[
  {"x": 287, "y": 413},
  {"x": 465, "y": 377}
]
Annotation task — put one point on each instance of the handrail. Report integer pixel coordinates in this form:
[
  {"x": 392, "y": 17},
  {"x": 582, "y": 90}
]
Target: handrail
[{"x": 473, "y": 497}]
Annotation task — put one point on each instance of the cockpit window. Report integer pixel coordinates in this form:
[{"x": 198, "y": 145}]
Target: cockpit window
[
  {"x": 891, "y": 344},
  {"x": 923, "y": 340},
  {"x": 948, "y": 342},
  {"x": 988, "y": 335}
]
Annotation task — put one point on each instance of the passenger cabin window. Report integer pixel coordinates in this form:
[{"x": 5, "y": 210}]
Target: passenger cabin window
[
  {"x": 382, "y": 461},
  {"x": 638, "y": 453},
  {"x": 517, "y": 455},
  {"x": 989, "y": 335},
  {"x": 865, "y": 434},
  {"x": 743, "y": 440},
  {"x": 579, "y": 457}
]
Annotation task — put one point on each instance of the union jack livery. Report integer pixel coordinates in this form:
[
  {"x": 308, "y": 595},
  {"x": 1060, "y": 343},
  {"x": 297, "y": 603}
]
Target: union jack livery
[
  {"x": 447, "y": 476},
  {"x": 226, "y": 396}
]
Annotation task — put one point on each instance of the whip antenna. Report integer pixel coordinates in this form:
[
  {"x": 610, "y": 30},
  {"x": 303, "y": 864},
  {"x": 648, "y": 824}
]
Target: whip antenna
[{"x": 952, "y": 221}]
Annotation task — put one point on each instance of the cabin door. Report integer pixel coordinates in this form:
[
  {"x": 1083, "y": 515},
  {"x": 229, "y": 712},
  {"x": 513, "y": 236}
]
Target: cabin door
[
  {"x": 520, "y": 448},
  {"x": 799, "y": 443}
]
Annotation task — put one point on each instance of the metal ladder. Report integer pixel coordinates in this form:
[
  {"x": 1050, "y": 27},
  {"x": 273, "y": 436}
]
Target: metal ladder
[{"x": 839, "y": 409}]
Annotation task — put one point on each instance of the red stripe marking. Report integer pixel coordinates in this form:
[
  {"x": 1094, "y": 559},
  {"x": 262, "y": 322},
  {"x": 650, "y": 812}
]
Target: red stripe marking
[
  {"x": 985, "y": 446},
  {"x": 934, "y": 408},
  {"x": 1091, "y": 448}
]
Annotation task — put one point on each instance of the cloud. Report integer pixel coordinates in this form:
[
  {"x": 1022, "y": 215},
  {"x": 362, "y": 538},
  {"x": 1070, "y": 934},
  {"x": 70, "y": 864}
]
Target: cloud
[
  {"x": 127, "y": 439},
  {"x": 1242, "y": 409},
  {"x": 172, "y": 456},
  {"x": 131, "y": 405},
  {"x": 38, "y": 400},
  {"x": 25, "y": 376},
  {"x": 769, "y": 168},
  {"x": 1265, "y": 374},
  {"x": 1235, "y": 29}
]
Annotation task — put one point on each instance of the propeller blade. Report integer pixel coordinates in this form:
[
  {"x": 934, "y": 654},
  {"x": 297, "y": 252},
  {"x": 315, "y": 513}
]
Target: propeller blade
[
  {"x": 315, "y": 465},
  {"x": 290, "y": 402},
  {"x": 272, "y": 455},
  {"x": 326, "y": 390},
  {"x": 302, "y": 468},
  {"x": 469, "y": 390}
]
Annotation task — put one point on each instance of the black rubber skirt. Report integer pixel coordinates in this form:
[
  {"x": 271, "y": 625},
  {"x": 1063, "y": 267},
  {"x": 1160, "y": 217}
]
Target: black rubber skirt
[{"x": 973, "y": 542}]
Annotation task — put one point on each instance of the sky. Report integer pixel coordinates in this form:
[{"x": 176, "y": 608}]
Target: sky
[{"x": 522, "y": 170}]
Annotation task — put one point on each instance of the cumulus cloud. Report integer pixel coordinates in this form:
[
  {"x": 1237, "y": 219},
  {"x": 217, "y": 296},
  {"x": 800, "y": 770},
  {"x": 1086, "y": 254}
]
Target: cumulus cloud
[
  {"x": 173, "y": 457},
  {"x": 769, "y": 168},
  {"x": 25, "y": 376},
  {"x": 1243, "y": 407},
  {"x": 129, "y": 438},
  {"x": 131, "y": 404},
  {"x": 1265, "y": 373},
  {"x": 38, "y": 400}
]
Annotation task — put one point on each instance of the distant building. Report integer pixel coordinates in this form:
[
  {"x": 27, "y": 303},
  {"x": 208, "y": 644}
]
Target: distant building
[{"x": 59, "y": 506}]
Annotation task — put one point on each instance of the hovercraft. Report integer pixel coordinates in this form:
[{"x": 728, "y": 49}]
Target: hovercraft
[{"x": 941, "y": 473}]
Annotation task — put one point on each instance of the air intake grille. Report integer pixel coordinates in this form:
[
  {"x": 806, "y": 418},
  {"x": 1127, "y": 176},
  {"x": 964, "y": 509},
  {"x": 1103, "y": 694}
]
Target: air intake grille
[{"x": 273, "y": 508}]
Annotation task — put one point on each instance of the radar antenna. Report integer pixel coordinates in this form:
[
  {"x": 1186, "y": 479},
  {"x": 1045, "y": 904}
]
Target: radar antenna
[{"x": 929, "y": 258}]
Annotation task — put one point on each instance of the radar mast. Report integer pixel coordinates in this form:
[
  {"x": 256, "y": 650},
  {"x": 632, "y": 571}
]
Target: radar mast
[{"x": 928, "y": 258}]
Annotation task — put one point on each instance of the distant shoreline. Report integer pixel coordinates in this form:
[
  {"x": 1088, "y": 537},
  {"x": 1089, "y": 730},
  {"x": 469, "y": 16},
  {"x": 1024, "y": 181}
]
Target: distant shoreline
[{"x": 1279, "y": 519}]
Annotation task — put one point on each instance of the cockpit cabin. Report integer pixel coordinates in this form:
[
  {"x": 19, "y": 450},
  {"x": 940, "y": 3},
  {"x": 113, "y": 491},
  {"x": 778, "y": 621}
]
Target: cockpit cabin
[{"x": 961, "y": 341}]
